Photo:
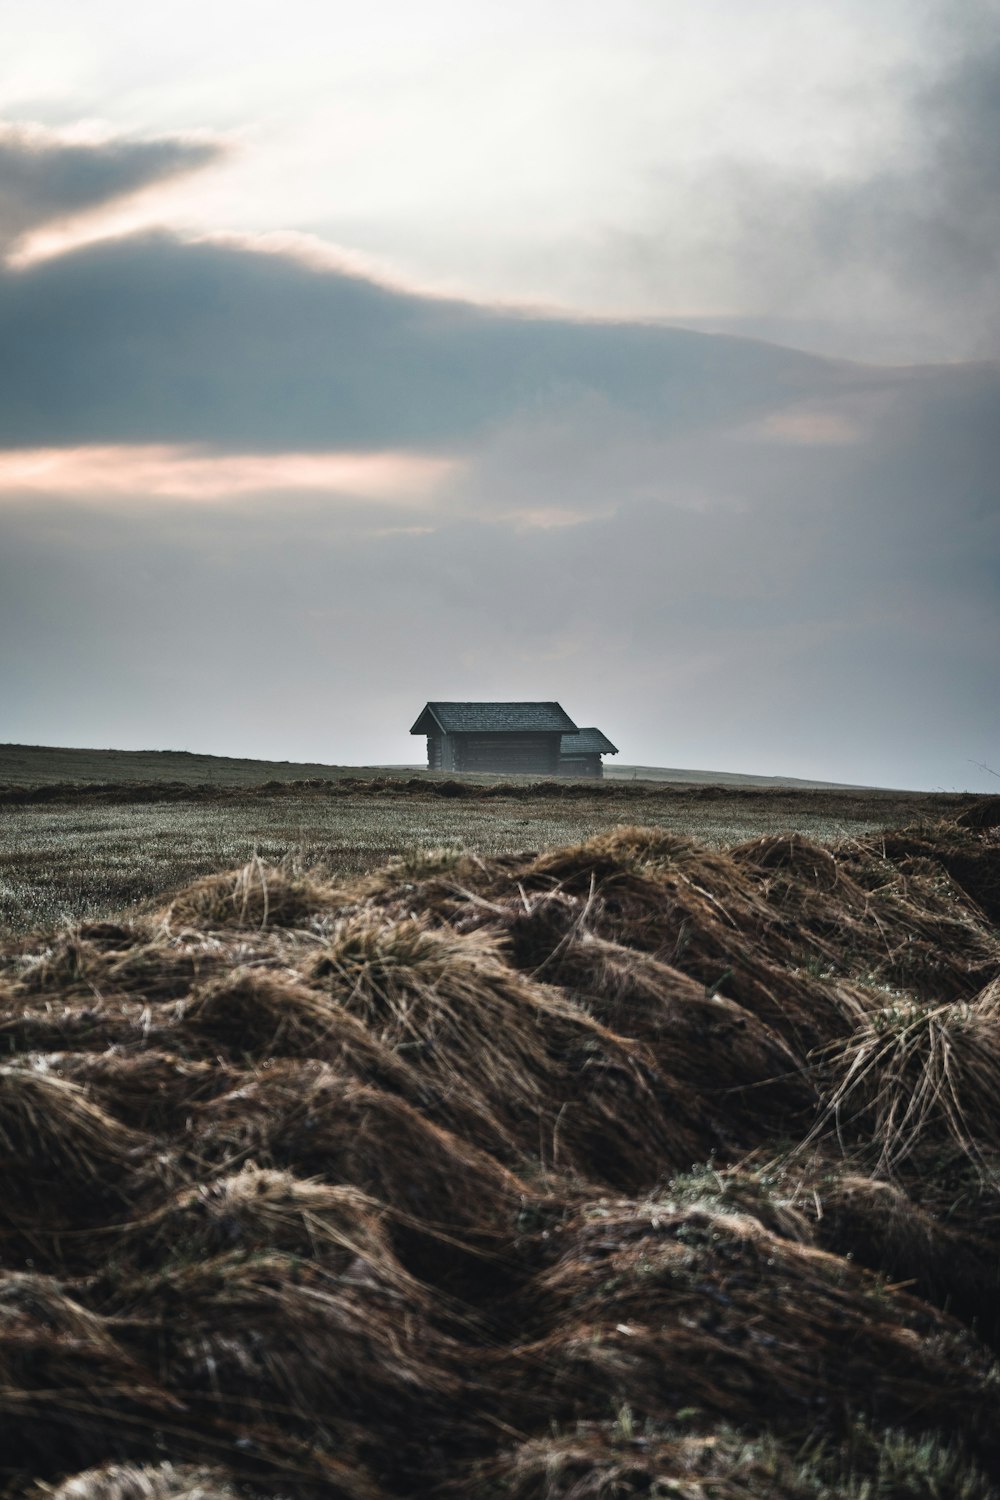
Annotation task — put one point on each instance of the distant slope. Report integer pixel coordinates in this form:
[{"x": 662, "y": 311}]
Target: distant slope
[
  {"x": 722, "y": 778},
  {"x": 40, "y": 765},
  {"x": 43, "y": 765}
]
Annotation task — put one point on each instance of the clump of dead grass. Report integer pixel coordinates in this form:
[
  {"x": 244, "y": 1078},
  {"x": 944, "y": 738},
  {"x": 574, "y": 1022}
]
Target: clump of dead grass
[
  {"x": 255, "y": 896},
  {"x": 698, "y": 911},
  {"x": 417, "y": 865},
  {"x": 914, "y": 1074},
  {"x": 144, "y": 1482},
  {"x": 165, "y": 967},
  {"x": 530, "y": 1072},
  {"x": 312, "y": 1119},
  {"x": 67, "y": 1383},
  {"x": 258, "y": 1209},
  {"x": 271, "y": 1337},
  {"x": 146, "y": 1090},
  {"x": 658, "y": 1307},
  {"x": 839, "y": 1207},
  {"x": 56, "y": 1143},
  {"x": 259, "y": 1013},
  {"x": 711, "y": 1045},
  {"x": 779, "y": 1199},
  {"x": 615, "y": 1461},
  {"x": 68, "y": 964},
  {"x": 605, "y": 1461}
]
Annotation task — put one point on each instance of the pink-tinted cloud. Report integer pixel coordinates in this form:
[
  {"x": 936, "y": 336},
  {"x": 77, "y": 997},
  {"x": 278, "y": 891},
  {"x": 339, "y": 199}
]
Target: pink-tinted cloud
[
  {"x": 807, "y": 426},
  {"x": 163, "y": 471}
]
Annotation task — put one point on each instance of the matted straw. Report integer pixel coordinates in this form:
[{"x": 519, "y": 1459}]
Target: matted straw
[
  {"x": 255, "y": 896},
  {"x": 144, "y": 1482},
  {"x": 660, "y": 1307},
  {"x": 616, "y": 1461},
  {"x": 915, "y": 1075},
  {"x": 532, "y": 1073}
]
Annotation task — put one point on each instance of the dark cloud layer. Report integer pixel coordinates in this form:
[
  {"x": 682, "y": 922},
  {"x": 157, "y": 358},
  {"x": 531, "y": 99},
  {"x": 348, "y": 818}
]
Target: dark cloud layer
[
  {"x": 150, "y": 339},
  {"x": 44, "y": 179}
]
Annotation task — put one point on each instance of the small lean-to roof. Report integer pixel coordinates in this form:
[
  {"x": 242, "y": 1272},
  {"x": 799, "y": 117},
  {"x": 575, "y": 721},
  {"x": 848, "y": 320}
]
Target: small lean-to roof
[
  {"x": 587, "y": 742},
  {"x": 494, "y": 718}
]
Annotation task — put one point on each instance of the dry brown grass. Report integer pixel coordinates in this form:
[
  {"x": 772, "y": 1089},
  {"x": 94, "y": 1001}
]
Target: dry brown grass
[
  {"x": 706, "y": 1042},
  {"x": 165, "y": 1482},
  {"x": 252, "y": 897},
  {"x": 699, "y": 910},
  {"x": 914, "y": 1074},
  {"x": 628, "y": 1168},
  {"x": 511, "y": 1062},
  {"x": 147, "y": 1090},
  {"x": 822, "y": 1201},
  {"x": 660, "y": 1307},
  {"x": 67, "y": 1384},
  {"x": 51, "y": 1126},
  {"x": 324, "y": 1123},
  {"x": 624, "y": 1459}
]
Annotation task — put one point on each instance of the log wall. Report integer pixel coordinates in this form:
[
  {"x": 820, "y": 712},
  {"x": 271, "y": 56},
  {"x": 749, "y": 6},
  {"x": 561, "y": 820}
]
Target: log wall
[{"x": 510, "y": 754}]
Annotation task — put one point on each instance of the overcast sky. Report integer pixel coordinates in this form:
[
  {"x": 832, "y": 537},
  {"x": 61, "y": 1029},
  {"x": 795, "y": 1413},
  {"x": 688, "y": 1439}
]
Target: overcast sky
[{"x": 641, "y": 356}]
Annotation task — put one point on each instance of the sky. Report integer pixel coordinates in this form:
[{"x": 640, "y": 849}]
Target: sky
[{"x": 645, "y": 357}]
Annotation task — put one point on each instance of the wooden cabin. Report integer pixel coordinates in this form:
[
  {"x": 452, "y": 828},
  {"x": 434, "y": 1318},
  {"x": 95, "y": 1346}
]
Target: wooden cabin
[
  {"x": 506, "y": 738},
  {"x": 580, "y": 754}
]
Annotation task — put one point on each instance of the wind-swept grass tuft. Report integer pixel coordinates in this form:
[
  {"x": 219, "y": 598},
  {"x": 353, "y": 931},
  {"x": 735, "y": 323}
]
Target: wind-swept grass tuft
[
  {"x": 916, "y": 1074},
  {"x": 255, "y": 896},
  {"x": 624, "y": 1459},
  {"x": 506, "y": 1058},
  {"x": 128, "y": 1482},
  {"x": 59, "y": 1148}
]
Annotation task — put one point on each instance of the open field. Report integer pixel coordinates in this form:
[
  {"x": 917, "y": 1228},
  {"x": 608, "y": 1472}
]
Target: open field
[
  {"x": 75, "y": 852},
  {"x": 630, "y": 1168}
]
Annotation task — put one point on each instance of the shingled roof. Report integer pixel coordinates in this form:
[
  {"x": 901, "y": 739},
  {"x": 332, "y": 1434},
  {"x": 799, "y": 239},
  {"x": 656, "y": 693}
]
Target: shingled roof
[
  {"x": 587, "y": 742},
  {"x": 494, "y": 718}
]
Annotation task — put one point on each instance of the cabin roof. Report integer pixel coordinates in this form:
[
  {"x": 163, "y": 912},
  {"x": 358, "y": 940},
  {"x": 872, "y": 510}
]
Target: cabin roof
[
  {"x": 587, "y": 742},
  {"x": 494, "y": 718}
]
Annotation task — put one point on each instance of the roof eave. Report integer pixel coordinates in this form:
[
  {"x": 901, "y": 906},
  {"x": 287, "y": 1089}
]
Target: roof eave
[{"x": 427, "y": 712}]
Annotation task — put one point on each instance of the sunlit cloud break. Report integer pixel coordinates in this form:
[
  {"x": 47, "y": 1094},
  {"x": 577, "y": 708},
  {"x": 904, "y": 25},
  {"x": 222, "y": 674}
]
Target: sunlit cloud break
[
  {"x": 189, "y": 473},
  {"x": 62, "y": 187}
]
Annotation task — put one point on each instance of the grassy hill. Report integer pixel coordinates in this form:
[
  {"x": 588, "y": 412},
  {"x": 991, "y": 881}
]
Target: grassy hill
[{"x": 41, "y": 765}]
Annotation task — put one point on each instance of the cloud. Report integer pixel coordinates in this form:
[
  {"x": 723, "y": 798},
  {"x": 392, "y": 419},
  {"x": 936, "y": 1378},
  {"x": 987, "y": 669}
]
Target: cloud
[
  {"x": 147, "y": 339},
  {"x": 47, "y": 177},
  {"x": 153, "y": 472},
  {"x": 897, "y": 256}
]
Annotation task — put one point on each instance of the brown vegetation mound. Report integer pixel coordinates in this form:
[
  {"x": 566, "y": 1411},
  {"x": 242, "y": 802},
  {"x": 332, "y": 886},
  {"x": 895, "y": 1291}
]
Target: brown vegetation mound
[{"x": 632, "y": 1168}]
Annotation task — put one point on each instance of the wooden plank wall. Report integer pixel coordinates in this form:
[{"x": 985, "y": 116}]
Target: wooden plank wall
[
  {"x": 531, "y": 754},
  {"x": 511, "y": 754}
]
